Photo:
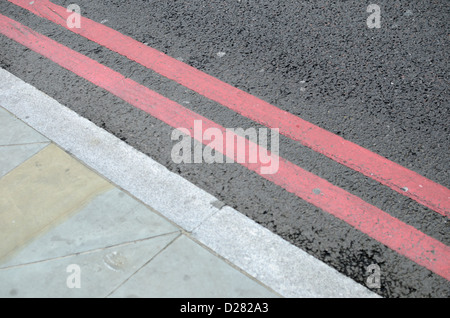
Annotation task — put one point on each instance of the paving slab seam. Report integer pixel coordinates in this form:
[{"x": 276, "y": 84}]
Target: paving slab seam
[
  {"x": 24, "y": 144},
  {"x": 90, "y": 251},
  {"x": 270, "y": 260},
  {"x": 145, "y": 264},
  {"x": 11, "y": 168}
]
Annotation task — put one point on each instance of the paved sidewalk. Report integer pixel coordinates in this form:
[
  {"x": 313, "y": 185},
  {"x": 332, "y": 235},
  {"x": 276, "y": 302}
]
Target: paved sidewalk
[
  {"x": 64, "y": 226},
  {"x": 81, "y": 208}
]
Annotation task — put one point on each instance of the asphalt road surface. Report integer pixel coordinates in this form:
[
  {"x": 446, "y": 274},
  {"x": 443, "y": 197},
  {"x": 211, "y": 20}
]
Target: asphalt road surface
[{"x": 384, "y": 89}]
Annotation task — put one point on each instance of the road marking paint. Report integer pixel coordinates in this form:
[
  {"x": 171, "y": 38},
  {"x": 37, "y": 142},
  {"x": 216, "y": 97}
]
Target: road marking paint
[
  {"x": 403, "y": 238},
  {"x": 372, "y": 165}
]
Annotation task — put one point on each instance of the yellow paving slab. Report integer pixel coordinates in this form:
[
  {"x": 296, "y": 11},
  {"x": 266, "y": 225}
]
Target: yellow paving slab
[{"x": 41, "y": 193}]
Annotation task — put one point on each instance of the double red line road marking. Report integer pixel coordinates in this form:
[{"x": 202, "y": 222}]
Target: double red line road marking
[{"x": 403, "y": 238}]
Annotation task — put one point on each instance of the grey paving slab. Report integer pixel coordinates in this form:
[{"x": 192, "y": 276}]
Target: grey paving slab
[
  {"x": 13, "y": 155},
  {"x": 14, "y": 131},
  {"x": 109, "y": 219},
  {"x": 98, "y": 272},
  {"x": 185, "y": 269}
]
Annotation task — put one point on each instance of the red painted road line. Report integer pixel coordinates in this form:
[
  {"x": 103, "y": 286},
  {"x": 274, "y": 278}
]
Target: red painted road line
[
  {"x": 405, "y": 239},
  {"x": 372, "y": 165}
]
